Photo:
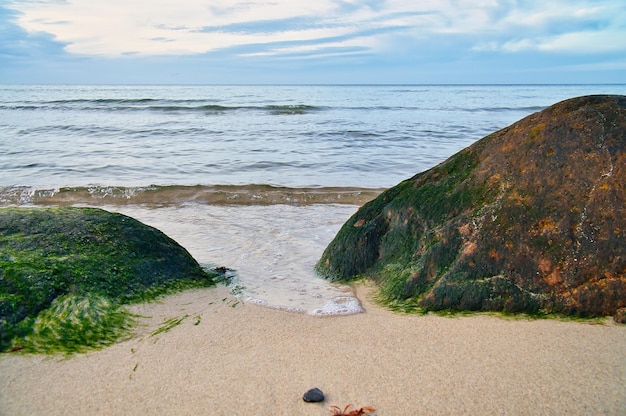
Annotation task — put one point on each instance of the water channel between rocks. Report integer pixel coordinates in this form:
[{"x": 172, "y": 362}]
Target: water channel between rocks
[{"x": 272, "y": 248}]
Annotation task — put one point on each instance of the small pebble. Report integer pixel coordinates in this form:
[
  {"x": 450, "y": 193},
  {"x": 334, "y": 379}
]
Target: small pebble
[{"x": 314, "y": 395}]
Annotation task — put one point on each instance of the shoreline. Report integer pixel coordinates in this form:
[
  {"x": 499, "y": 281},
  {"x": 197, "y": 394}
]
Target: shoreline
[
  {"x": 157, "y": 196},
  {"x": 230, "y": 357}
]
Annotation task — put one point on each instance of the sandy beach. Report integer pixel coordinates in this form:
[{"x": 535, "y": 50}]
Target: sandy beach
[{"x": 226, "y": 357}]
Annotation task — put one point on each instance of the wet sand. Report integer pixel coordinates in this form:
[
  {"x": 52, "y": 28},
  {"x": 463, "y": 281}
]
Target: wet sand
[{"x": 242, "y": 359}]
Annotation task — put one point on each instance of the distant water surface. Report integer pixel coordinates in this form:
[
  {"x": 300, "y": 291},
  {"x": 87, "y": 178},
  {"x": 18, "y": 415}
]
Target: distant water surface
[
  {"x": 258, "y": 178},
  {"x": 297, "y": 136}
]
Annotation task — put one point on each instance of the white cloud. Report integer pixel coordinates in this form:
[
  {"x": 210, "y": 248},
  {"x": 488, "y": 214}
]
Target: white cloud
[
  {"x": 586, "y": 42},
  {"x": 578, "y": 27},
  {"x": 115, "y": 27},
  {"x": 349, "y": 47},
  {"x": 280, "y": 27}
]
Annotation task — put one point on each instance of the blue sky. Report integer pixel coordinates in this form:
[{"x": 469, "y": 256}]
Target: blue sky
[{"x": 312, "y": 41}]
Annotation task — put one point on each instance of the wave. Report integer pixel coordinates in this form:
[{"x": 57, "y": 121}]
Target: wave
[
  {"x": 178, "y": 195},
  {"x": 532, "y": 108},
  {"x": 157, "y": 105},
  {"x": 215, "y": 106}
]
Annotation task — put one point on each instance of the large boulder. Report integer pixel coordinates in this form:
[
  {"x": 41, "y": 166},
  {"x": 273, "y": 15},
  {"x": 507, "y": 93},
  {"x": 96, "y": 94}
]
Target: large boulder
[
  {"x": 46, "y": 254},
  {"x": 531, "y": 218}
]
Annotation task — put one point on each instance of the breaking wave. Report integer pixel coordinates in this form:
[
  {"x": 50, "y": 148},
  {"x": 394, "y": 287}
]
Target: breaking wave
[{"x": 176, "y": 195}]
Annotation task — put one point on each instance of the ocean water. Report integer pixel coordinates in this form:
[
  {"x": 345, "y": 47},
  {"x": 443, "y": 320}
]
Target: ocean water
[{"x": 255, "y": 178}]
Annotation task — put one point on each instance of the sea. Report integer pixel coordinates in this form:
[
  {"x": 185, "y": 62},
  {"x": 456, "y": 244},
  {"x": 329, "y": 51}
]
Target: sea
[{"x": 255, "y": 178}]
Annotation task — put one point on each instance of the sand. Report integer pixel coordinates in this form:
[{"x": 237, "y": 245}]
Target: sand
[{"x": 229, "y": 358}]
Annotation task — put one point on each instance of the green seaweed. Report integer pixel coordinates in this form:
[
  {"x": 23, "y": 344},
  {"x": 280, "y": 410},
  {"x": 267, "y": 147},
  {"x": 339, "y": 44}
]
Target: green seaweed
[
  {"x": 75, "y": 324},
  {"x": 383, "y": 231},
  {"x": 408, "y": 241},
  {"x": 168, "y": 324},
  {"x": 527, "y": 219},
  {"x": 48, "y": 256}
]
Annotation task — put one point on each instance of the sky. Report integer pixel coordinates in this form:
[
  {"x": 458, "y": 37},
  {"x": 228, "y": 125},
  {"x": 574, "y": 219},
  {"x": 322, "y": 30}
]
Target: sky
[{"x": 312, "y": 41}]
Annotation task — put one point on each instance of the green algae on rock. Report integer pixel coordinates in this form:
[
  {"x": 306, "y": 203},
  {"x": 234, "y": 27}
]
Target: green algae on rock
[
  {"x": 531, "y": 218},
  {"x": 84, "y": 262}
]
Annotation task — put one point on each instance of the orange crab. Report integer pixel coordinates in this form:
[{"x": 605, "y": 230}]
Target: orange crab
[{"x": 337, "y": 411}]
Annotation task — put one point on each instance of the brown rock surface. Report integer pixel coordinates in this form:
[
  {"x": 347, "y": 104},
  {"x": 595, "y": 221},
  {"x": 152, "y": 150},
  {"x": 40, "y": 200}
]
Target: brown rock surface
[{"x": 531, "y": 218}]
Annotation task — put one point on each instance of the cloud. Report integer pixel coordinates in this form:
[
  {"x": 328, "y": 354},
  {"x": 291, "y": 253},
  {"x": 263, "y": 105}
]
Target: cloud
[
  {"x": 586, "y": 42},
  {"x": 578, "y": 27},
  {"x": 116, "y": 27},
  {"x": 305, "y": 28},
  {"x": 17, "y": 44}
]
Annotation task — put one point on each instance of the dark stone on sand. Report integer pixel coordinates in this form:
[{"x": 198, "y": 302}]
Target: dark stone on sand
[
  {"x": 620, "y": 316},
  {"x": 531, "y": 218},
  {"x": 313, "y": 396}
]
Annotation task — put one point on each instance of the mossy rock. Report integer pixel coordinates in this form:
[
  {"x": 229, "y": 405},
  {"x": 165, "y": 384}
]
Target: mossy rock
[
  {"x": 88, "y": 253},
  {"x": 531, "y": 218}
]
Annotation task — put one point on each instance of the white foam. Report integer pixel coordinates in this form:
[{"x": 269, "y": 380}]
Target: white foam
[
  {"x": 341, "y": 305},
  {"x": 272, "y": 250},
  {"x": 263, "y": 302},
  {"x": 256, "y": 301}
]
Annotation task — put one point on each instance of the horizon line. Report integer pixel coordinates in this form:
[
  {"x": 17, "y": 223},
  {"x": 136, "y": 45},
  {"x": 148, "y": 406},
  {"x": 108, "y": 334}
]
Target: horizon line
[{"x": 311, "y": 84}]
